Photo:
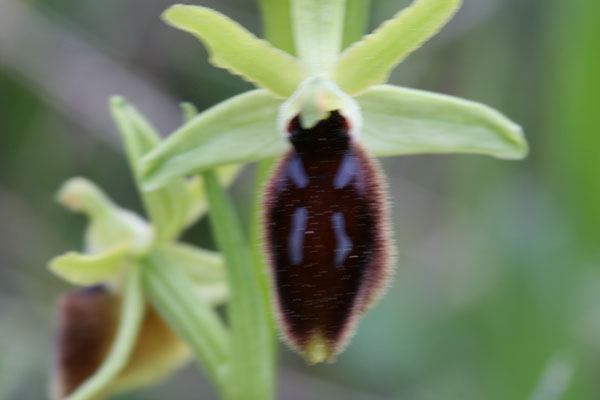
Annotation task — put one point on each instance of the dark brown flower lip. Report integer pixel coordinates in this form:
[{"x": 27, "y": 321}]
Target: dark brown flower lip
[
  {"x": 327, "y": 237},
  {"x": 87, "y": 325}
]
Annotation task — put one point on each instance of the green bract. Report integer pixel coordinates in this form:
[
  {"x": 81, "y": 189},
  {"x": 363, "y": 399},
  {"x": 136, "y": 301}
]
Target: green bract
[{"x": 395, "y": 120}]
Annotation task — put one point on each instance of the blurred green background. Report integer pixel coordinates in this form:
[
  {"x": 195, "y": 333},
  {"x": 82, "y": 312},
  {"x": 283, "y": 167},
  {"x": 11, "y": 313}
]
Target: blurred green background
[{"x": 497, "y": 291}]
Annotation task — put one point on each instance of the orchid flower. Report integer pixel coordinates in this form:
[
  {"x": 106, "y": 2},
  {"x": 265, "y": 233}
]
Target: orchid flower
[
  {"x": 139, "y": 280},
  {"x": 109, "y": 337},
  {"x": 384, "y": 120}
]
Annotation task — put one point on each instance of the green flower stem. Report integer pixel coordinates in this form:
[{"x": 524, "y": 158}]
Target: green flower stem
[
  {"x": 277, "y": 22},
  {"x": 132, "y": 312},
  {"x": 263, "y": 171},
  {"x": 252, "y": 376},
  {"x": 356, "y": 20},
  {"x": 173, "y": 295}
]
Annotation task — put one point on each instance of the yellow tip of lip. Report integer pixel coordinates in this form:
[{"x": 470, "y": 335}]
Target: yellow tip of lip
[{"x": 317, "y": 350}]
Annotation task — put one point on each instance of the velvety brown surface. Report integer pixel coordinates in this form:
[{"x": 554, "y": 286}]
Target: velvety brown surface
[
  {"x": 87, "y": 324},
  {"x": 324, "y": 231}
]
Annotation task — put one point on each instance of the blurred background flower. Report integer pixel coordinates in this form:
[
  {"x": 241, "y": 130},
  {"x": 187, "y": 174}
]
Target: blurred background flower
[{"x": 497, "y": 294}]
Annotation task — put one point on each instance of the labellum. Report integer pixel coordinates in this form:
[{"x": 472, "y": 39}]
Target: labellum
[
  {"x": 88, "y": 322},
  {"x": 327, "y": 235}
]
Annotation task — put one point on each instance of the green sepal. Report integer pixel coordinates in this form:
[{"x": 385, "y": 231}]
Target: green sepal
[
  {"x": 318, "y": 29},
  {"x": 395, "y": 121},
  {"x": 90, "y": 269},
  {"x": 232, "y": 47},
  {"x": 239, "y": 130},
  {"x": 110, "y": 226},
  {"x": 168, "y": 206},
  {"x": 406, "y": 121},
  {"x": 370, "y": 61}
]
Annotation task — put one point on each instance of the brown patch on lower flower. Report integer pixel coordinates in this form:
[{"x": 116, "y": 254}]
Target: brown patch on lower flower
[{"x": 88, "y": 323}]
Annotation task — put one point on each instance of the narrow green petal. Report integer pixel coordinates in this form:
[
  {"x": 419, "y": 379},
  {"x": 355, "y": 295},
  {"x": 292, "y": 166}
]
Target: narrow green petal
[
  {"x": 406, "y": 121},
  {"x": 132, "y": 313},
  {"x": 110, "y": 225},
  {"x": 241, "y": 129},
  {"x": 168, "y": 206},
  {"x": 89, "y": 269},
  {"x": 318, "y": 28},
  {"x": 370, "y": 61},
  {"x": 234, "y": 48}
]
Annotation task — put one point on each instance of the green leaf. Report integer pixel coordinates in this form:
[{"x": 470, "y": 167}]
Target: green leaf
[
  {"x": 204, "y": 268},
  {"x": 168, "y": 206},
  {"x": 174, "y": 297},
  {"x": 234, "y": 48},
  {"x": 251, "y": 335},
  {"x": 406, "y": 121},
  {"x": 89, "y": 269},
  {"x": 238, "y": 130},
  {"x": 110, "y": 226},
  {"x": 370, "y": 61},
  {"x": 132, "y": 312},
  {"x": 318, "y": 27}
]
